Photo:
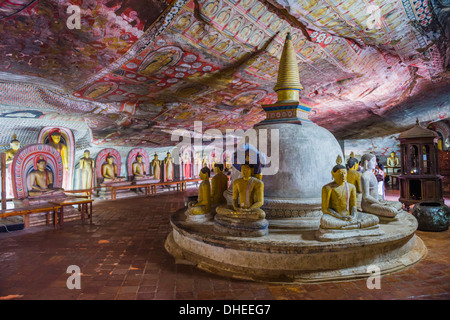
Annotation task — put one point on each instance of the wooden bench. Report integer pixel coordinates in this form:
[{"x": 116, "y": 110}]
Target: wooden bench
[
  {"x": 114, "y": 189},
  {"x": 40, "y": 208},
  {"x": 71, "y": 201}
]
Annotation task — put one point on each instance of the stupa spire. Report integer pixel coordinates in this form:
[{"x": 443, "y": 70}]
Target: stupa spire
[{"x": 288, "y": 82}]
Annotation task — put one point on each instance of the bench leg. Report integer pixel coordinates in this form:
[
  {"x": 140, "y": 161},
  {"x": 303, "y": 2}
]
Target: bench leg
[
  {"x": 61, "y": 217},
  {"x": 83, "y": 210},
  {"x": 90, "y": 212}
]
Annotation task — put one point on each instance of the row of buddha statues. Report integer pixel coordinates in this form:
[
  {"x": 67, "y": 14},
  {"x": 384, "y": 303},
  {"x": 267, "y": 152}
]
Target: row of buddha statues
[
  {"x": 160, "y": 170},
  {"x": 339, "y": 203}
]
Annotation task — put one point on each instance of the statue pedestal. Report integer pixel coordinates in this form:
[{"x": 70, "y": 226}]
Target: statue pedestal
[
  {"x": 104, "y": 191},
  {"x": 146, "y": 180},
  {"x": 289, "y": 254},
  {"x": 241, "y": 227},
  {"x": 198, "y": 218}
]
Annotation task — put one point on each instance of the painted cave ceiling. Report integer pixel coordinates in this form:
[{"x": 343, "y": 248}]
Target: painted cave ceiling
[{"x": 136, "y": 69}]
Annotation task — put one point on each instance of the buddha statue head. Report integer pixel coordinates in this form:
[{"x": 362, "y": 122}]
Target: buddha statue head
[
  {"x": 41, "y": 163},
  {"x": 56, "y": 137},
  {"x": 369, "y": 161},
  {"x": 218, "y": 167},
  {"x": 139, "y": 158},
  {"x": 246, "y": 171},
  {"x": 15, "y": 144},
  {"x": 110, "y": 159},
  {"x": 339, "y": 173},
  {"x": 205, "y": 173},
  {"x": 87, "y": 154},
  {"x": 155, "y": 156}
]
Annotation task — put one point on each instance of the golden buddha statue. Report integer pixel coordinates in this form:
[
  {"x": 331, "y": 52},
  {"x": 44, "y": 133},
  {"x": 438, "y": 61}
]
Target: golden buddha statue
[
  {"x": 352, "y": 162},
  {"x": 87, "y": 165},
  {"x": 369, "y": 186},
  {"x": 393, "y": 160},
  {"x": 339, "y": 204},
  {"x": 248, "y": 197},
  {"x": 203, "y": 204},
  {"x": 354, "y": 177},
  {"x": 109, "y": 169},
  {"x": 219, "y": 184},
  {"x": 55, "y": 142},
  {"x": 40, "y": 181},
  {"x": 10, "y": 153},
  {"x": 138, "y": 168},
  {"x": 156, "y": 167}
]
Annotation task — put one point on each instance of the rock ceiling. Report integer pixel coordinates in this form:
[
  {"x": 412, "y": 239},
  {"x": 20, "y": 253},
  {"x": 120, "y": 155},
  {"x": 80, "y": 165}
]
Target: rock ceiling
[{"x": 134, "y": 70}]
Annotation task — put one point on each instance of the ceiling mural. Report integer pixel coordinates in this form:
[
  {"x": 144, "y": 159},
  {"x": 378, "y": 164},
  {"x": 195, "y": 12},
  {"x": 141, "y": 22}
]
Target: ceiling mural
[{"x": 135, "y": 70}]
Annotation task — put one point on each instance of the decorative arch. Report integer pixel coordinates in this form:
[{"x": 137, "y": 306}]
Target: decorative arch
[
  {"x": 100, "y": 159},
  {"x": 68, "y": 139},
  {"x": 132, "y": 158},
  {"x": 25, "y": 161}
]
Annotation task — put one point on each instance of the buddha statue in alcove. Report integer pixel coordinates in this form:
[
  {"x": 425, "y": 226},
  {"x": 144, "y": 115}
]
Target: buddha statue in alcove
[
  {"x": 248, "y": 197},
  {"x": 203, "y": 204},
  {"x": 87, "y": 165},
  {"x": 339, "y": 206},
  {"x": 55, "y": 142},
  {"x": 138, "y": 168},
  {"x": 369, "y": 187},
  {"x": 109, "y": 170},
  {"x": 40, "y": 180}
]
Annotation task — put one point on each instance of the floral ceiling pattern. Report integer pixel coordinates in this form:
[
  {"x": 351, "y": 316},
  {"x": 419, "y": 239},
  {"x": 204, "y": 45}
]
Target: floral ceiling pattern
[{"x": 132, "y": 71}]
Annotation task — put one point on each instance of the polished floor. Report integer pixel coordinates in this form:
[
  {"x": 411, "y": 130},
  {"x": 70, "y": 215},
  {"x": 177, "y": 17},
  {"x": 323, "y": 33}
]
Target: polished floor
[{"x": 121, "y": 256}]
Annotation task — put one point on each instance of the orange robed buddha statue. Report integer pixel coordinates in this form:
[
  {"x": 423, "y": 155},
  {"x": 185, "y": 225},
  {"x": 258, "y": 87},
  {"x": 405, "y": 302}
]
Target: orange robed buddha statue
[
  {"x": 203, "y": 205},
  {"x": 219, "y": 184}
]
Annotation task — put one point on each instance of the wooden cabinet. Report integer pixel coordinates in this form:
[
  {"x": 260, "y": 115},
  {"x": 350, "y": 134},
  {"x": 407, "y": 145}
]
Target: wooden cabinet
[{"x": 419, "y": 179}]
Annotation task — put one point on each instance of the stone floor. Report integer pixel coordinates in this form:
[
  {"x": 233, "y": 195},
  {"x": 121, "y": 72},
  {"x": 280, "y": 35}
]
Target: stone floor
[{"x": 122, "y": 256}]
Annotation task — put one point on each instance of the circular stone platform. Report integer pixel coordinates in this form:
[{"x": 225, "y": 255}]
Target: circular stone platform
[{"x": 292, "y": 254}]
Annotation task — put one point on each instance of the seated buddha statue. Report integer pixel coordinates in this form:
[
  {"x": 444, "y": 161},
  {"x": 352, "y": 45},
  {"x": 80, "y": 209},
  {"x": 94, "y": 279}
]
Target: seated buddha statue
[
  {"x": 138, "y": 168},
  {"x": 392, "y": 160},
  {"x": 339, "y": 205},
  {"x": 219, "y": 184},
  {"x": 369, "y": 187},
  {"x": 40, "y": 181},
  {"x": 354, "y": 177},
  {"x": 109, "y": 170},
  {"x": 203, "y": 204},
  {"x": 248, "y": 197}
]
